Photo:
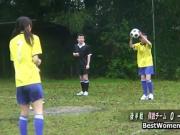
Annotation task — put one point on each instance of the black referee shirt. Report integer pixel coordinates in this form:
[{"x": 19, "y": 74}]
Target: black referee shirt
[{"x": 83, "y": 51}]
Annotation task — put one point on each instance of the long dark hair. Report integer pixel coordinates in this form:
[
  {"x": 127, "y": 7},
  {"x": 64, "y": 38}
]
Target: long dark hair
[{"x": 22, "y": 25}]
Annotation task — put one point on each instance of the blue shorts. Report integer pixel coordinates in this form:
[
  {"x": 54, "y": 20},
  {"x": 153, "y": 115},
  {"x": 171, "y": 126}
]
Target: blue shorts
[
  {"x": 29, "y": 93},
  {"x": 146, "y": 70}
]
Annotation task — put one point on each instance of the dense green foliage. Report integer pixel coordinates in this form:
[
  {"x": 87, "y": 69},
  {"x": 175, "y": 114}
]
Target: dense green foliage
[{"x": 106, "y": 25}]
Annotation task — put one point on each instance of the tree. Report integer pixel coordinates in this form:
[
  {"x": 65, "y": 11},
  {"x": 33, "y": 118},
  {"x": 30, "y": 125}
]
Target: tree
[{"x": 107, "y": 25}]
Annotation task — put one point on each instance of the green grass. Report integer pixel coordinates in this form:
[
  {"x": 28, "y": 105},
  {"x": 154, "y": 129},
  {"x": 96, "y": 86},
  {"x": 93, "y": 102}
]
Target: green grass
[{"x": 115, "y": 97}]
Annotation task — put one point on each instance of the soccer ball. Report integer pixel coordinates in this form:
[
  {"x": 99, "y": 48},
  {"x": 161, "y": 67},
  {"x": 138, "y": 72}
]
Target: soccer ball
[{"x": 135, "y": 33}]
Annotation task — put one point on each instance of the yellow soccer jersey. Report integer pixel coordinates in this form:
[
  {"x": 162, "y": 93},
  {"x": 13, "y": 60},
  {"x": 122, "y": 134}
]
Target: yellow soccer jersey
[
  {"x": 26, "y": 72},
  {"x": 144, "y": 56}
]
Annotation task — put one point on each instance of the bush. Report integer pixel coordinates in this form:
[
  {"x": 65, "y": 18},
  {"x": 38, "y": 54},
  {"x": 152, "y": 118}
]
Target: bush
[{"x": 119, "y": 68}]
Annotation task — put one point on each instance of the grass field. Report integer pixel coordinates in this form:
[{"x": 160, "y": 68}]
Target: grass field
[{"x": 115, "y": 98}]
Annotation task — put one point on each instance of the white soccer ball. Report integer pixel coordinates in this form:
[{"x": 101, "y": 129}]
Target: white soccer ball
[
  {"x": 135, "y": 33},
  {"x": 12, "y": 3}
]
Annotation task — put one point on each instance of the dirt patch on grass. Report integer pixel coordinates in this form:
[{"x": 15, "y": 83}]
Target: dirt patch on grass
[{"x": 65, "y": 110}]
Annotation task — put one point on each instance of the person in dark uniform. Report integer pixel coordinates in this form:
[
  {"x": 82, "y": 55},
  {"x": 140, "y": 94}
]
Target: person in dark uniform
[{"x": 83, "y": 54}]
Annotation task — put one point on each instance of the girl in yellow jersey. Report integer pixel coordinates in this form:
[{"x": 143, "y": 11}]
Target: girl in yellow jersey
[
  {"x": 24, "y": 50},
  {"x": 145, "y": 65}
]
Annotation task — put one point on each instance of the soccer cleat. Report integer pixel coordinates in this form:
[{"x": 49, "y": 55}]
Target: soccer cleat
[
  {"x": 85, "y": 93},
  {"x": 150, "y": 96},
  {"x": 80, "y": 93},
  {"x": 144, "y": 97}
]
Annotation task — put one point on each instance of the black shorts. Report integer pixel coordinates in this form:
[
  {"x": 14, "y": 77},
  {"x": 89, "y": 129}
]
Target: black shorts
[{"x": 83, "y": 71}]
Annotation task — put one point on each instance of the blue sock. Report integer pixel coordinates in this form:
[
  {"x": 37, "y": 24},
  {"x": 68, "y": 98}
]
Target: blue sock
[
  {"x": 150, "y": 86},
  {"x": 23, "y": 121},
  {"x": 38, "y": 124},
  {"x": 144, "y": 87}
]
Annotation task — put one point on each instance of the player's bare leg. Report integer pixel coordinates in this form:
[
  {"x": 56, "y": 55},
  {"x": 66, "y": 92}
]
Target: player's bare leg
[
  {"x": 86, "y": 84},
  {"x": 82, "y": 86},
  {"x": 38, "y": 118},
  {"x": 149, "y": 86},
  {"x": 24, "y": 110},
  {"x": 144, "y": 87},
  {"x": 23, "y": 120}
]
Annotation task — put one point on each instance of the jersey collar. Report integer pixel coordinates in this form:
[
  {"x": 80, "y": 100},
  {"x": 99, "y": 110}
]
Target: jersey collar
[{"x": 81, "y": 45}]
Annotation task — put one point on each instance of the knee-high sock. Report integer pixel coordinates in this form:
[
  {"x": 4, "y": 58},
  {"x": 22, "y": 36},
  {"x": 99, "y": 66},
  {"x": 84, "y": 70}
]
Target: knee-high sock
[
  {"x": 38, "y": 124},
  {"x": 23, "y": 121},
  {"x": 82, "y": 86},
  {"x": 86, "y": 85},
  {"x": 150, "y": 86},
  {"x": 144, "y": 87}
]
